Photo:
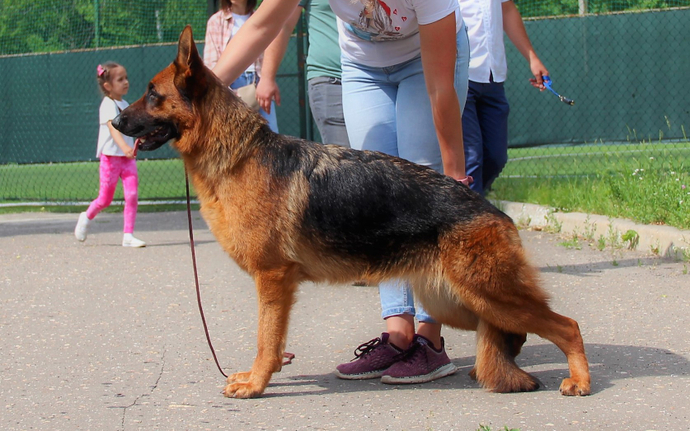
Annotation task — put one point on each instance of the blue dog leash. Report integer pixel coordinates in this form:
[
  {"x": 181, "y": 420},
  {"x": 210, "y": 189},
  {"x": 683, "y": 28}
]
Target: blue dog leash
[{"x": 547, "y": 84}]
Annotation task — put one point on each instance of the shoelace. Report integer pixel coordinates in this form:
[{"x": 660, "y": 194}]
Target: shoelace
[
  {"x": 410, "y": 352},
  {"x": 367, "y": 347}
]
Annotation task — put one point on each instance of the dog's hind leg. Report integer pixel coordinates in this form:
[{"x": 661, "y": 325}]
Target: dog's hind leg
[
  {"x": 276, "y": 292},
  {"x": 495, "y": 367},
  {"x": 520, "y": 309},
  {"x": 508, "y": 348},
  {"x": 496, "y": 282},
  {"x": 564, "y": 332}
]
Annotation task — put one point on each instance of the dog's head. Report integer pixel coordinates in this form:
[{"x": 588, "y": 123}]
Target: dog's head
[{"x": 164, "y": 112}]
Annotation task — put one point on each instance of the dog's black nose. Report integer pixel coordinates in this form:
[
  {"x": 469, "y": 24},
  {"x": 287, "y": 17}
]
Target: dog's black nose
[{"x": 119, "y": 121}]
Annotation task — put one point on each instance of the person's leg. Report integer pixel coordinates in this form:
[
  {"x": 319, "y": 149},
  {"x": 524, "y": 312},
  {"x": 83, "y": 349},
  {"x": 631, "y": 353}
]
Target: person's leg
[
  {"x": 418, "y": 141},
  {"x": 326, "y": 104},
  {"x": 398, "y": 310},
  {"x": 369, "y": 104},
  {"x": 109, "y": 176},
  {"x": 494, "y": 129},
  {"x": 369, "y": 109},
  {"x": 472, "y": 136},
  {"x": 130, "y": 185}
]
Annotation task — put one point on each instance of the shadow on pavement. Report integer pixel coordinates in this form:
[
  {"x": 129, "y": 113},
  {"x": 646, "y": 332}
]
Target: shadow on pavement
[{"x": 608, "y": 364}]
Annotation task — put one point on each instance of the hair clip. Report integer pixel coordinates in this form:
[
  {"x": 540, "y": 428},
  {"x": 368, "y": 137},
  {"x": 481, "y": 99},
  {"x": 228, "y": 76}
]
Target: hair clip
[{"x": 100, "y": 70}]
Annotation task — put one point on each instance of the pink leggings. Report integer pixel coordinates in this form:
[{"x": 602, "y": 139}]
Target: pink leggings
[{"x": 111, "y": 170}]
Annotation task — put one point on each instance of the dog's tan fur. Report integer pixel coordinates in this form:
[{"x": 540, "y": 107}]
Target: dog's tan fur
[{"x": 262, "y": 194}]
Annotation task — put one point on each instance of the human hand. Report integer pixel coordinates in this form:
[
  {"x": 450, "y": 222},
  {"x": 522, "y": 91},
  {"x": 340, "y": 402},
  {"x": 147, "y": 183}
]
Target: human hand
[
  {"x": 466, "y": 181},
  {"x": 131, "y": 153},
  {"x": 538, "y": 70},
  {"x": 266, "y": 91}
]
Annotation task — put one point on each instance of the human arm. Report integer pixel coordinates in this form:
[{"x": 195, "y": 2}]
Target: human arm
[
  {"x": 267, "y": 89},
  {"x": 253, "y": 38},
  {"x": 514, "y": 28},
  {"x": 119, "y": 140},
  {"x": 439, "y": 50}
]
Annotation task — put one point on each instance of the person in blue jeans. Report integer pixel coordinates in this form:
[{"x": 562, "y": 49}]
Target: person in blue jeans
[
  {"x": 485, "y": 119},
  {"x": 404, "y": 77},
  {"x": 388, "y": 109}
]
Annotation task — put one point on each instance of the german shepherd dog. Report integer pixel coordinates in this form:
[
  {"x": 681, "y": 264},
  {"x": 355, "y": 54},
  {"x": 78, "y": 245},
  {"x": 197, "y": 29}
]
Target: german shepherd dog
[{"x": 288, "y": 210}]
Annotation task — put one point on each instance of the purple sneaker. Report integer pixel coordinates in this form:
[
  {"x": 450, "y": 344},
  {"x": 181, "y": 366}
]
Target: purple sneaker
[
  {"x": 421, "y": 363},
  {"x": 371, "y": 360}
]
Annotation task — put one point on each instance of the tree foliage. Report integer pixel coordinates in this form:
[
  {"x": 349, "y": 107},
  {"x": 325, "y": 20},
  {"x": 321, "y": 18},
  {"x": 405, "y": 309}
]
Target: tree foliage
[
  {"x": 28, "y": 26},
  {"x": 536, "y": 8}
]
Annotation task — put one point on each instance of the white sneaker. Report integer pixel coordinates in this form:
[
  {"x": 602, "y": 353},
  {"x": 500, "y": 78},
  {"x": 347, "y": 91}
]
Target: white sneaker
[
  {"x": 82, "y": 227},
  {"x": 129, "y": 241}
]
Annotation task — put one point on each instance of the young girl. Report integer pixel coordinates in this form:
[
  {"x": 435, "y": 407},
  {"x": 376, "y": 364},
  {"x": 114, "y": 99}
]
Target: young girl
[{"x": 117, "y": 153}]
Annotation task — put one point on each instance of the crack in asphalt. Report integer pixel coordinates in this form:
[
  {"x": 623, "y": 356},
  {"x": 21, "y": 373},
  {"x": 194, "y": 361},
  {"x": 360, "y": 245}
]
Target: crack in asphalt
[{"x": 153, "y": 388}]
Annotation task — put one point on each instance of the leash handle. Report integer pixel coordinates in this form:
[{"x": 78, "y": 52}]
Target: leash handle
[
  {"x": 547, "y": 84},
  {"x": 196, "y": 274}
]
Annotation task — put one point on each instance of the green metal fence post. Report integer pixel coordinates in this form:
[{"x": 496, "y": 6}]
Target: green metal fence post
[{"x": 95, "y": 21}]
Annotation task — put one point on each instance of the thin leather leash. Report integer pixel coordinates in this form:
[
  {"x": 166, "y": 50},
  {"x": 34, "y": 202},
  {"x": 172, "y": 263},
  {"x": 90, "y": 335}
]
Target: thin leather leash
[
  {"x": 196, "y": 274},
  {"x": 289, "y": 356}
]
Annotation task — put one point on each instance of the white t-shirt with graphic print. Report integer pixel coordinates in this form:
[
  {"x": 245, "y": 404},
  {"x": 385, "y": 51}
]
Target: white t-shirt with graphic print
[
  {"x": 393, "y": 22},
  {"x": 106, "y": 145}
]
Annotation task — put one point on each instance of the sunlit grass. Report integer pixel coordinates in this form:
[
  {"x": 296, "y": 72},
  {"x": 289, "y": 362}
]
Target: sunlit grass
[
  {"x": 647, "y": 183},
  {"x": 73, "y": 182}
]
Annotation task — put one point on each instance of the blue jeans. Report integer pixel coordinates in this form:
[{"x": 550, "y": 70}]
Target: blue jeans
[
  {"x": 245, "y": 79},
  {"x": 326, "y": 104},
  {"x": 485, "y": 132},
  {"x": 387, "y": 109}
]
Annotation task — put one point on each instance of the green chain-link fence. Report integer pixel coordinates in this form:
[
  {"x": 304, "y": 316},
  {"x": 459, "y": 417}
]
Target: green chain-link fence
[{"x": 624, "y": 63}]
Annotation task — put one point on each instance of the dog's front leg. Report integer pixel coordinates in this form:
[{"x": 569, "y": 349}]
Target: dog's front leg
[{"x": 276, "y": 295}]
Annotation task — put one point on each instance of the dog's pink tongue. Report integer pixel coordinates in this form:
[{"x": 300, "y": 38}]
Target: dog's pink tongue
[{"x": 136, "y": 146}]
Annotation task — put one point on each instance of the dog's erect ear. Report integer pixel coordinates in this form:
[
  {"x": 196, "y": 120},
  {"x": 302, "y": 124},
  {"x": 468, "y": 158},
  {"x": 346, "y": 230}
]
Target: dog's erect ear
[
  {"x": 187, "y": 54},
  {"x": 188, "y": 61}
]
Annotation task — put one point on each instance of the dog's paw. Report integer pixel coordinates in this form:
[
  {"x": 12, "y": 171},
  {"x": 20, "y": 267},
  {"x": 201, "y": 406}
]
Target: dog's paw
[
  {"x": 570, "y": 387},
  {"x": 507, "y": 380},
  {"x": 473, "y": 373},
  {"x": 242, "y": 390},
  {"x": 239, "y": 377}
]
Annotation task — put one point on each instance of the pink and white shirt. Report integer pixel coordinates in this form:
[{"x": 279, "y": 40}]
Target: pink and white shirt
[{"x": 219, "y": 30}]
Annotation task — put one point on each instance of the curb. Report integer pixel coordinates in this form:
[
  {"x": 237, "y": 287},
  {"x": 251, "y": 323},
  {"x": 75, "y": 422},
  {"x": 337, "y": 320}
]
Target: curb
[{"x": 660, "y": 240}]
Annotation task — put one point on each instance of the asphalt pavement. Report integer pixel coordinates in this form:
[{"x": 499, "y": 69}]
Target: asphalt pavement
[{"x": 94, "y": 336}]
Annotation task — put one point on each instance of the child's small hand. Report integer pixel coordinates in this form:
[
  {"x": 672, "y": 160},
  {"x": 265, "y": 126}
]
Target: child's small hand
[{"x": 130, "y": 153}]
